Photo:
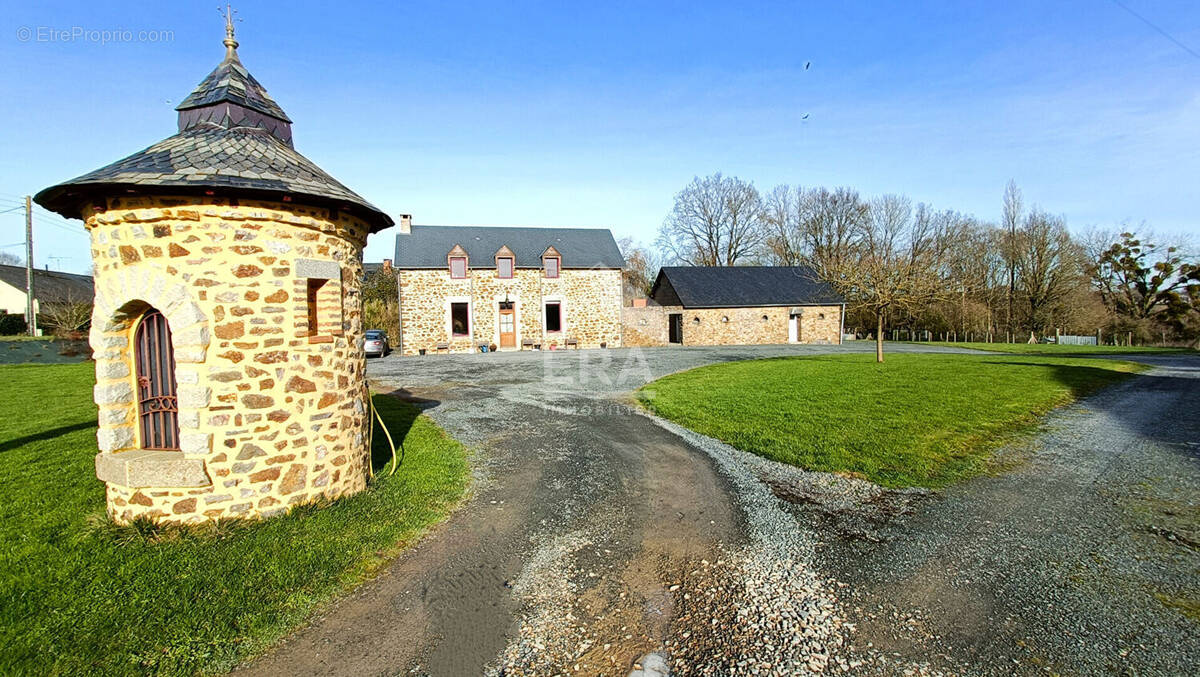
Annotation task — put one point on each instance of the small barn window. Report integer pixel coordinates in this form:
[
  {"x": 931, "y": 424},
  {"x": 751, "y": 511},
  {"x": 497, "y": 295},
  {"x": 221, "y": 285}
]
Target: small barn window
[
  {"x": 695, "y": 320},
  {"x": 552, "y": 265},
  {"x": 821, "y": 316},
  {"x": 765, "y": 318},
  {"x": 313, "y": 301},
  {"x": 725, "y": 318},
  {"x": 504, "y": 267},
  {"x": 553, "y": 316},
  {"x": 458, "y": 267},
  {"x": 460, "y": 319},
  {"x": 319, "y": 299}
]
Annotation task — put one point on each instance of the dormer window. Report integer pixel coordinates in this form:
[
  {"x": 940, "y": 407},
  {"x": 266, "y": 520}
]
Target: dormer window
[
  {"x": 505, "y": 263},
  {"x": 551, "y": 262},
  {"x": 457, "y": 260}
]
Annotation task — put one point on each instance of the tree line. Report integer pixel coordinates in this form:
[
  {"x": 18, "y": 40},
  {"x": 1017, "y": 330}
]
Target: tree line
[{"x": 906, "y": 266}]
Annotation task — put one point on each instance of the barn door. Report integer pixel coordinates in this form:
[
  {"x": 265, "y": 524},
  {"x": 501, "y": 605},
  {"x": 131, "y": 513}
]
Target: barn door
[
  {"x": 675, "y": 328},
  {"x": 158, "y": 411}
]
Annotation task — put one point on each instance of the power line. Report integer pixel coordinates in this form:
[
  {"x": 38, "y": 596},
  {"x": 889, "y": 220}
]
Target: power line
[{"x": 1154, "y": 26}]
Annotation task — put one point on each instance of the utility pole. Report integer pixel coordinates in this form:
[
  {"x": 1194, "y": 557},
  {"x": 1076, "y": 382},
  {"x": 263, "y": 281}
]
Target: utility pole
[{"x": 30, "y": 318}]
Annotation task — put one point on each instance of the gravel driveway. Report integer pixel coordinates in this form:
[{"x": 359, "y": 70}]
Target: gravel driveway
[
  {"x": 1075, "y": 561},
  {"x": 595, "y": 535}
]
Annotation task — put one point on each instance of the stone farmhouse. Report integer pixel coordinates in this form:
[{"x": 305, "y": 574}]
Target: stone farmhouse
[
  {"x": 227, "y": 324},
  {"x": 467, "y": 288},
  {"x": 736, "y": 305}
]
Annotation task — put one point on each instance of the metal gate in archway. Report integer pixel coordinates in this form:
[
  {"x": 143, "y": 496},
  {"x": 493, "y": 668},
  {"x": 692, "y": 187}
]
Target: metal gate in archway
[{"x": 158, "y": 409}]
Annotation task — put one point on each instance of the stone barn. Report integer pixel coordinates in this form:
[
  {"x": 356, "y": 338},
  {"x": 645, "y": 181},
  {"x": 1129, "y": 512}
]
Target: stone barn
[
  {"x": 736, "y": 305},
  {"x": 226, "y": 329}
]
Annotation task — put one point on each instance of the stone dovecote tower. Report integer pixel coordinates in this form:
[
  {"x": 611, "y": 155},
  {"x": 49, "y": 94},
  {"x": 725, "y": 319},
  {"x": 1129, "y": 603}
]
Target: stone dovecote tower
[{"x": 227, "y": 328}]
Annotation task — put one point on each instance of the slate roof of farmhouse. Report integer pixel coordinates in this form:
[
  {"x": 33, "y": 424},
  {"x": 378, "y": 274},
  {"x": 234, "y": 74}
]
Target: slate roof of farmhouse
[
  {"x": 49, "y": 286},
  {"x": 233, "y": 141},
  {"x": 741, "y": 286},
  {"x": 427, "y": 246}
]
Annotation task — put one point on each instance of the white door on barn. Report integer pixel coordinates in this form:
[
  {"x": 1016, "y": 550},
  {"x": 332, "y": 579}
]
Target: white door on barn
[{"x": 793, "y": 329}]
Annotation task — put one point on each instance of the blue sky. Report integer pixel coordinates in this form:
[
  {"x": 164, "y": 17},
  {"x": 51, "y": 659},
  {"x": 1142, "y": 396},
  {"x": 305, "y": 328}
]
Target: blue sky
[{"x": 595, "y": 114}]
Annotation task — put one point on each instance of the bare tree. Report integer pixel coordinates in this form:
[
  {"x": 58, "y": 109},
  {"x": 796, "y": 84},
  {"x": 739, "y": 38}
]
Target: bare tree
[
  {"x": 641, "y": 266},
  {"x": 785, "y": 218},
  {"x": 976, "y": 264},
  {"x": 1012, "y": 221},
  {"x": 66, "y": 317},
  {"x": 896, "y": 261},
  {"x": 716, "y": 221},
  {"x": 1049, "y": 267},
  {"x": 835, "y": 218},
  {"x": 10, "y": 259},
  {"x": 813, "y": 227}
]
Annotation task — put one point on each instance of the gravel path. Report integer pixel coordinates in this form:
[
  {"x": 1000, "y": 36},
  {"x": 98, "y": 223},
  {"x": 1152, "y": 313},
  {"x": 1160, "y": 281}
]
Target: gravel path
[
  {"x": 1073, "y": 562},
  {"x": 585, "y": 520},
  {"x": 598, "y": 541}
]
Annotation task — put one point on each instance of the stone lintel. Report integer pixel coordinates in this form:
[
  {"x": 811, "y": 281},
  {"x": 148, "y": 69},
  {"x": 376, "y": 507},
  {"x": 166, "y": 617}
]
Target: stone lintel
[
  {"x": 147, "y": 468},
  {"x": 318, "y": 269}
]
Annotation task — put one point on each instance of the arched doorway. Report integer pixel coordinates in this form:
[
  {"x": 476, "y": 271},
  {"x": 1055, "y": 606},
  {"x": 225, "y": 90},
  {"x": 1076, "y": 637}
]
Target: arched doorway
[{"x": 158, "y": 409}]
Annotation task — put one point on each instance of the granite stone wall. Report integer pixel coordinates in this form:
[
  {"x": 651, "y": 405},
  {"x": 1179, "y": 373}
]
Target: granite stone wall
[
  {"x": 590, "y": 300},
  {"x": 645, "y": 326},
  {"x": 272, "y": 412},
  {"x": 648, "y": 326}
]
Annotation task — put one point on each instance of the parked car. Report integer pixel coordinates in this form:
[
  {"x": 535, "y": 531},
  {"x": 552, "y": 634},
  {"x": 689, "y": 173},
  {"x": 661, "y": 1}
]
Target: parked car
[{"x": 375, "y": 343}]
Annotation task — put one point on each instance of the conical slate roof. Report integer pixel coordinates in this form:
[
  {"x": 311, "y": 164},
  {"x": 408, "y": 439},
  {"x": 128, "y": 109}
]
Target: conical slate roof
[
  {"x": 233, "y": 141},
  {"x": 231, "y": 82}
]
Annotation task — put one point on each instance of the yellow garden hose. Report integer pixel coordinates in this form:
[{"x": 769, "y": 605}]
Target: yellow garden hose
[{"x": 371, "y": 436}]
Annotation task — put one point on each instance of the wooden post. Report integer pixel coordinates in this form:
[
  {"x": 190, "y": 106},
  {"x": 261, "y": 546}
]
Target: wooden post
[
  {"x": 1098, "y": 339},
  {"x": 1129, "y": 339}
]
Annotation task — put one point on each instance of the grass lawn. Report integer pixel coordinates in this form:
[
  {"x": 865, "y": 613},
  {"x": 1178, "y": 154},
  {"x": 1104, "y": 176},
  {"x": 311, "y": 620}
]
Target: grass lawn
[
  {"x": 80, "y": 596},
  {"x": 915, "y": 420},
  {"x": 1062, "y": 351}
]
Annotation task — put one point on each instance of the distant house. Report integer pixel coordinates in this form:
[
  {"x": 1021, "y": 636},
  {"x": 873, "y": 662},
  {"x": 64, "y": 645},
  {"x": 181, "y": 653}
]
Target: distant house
[
  {"x": 370, "y": 269},
  {"x": 49, "y": 286},
  {"x": 462, "y": 287},
  {"x": 695, "y": 305}
]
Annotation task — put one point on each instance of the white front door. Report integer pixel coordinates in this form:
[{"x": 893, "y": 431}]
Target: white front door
[{"x": 794, "y": 329}]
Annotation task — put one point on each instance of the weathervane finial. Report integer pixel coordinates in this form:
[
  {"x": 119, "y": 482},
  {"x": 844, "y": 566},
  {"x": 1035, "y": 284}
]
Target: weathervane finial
[{"x": 231, "y": 45}]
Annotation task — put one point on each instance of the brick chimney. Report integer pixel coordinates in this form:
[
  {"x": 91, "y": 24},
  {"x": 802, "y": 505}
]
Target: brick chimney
[
  {"x": 387, "y": 265},
  {"x": 405, "y": 224}
]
